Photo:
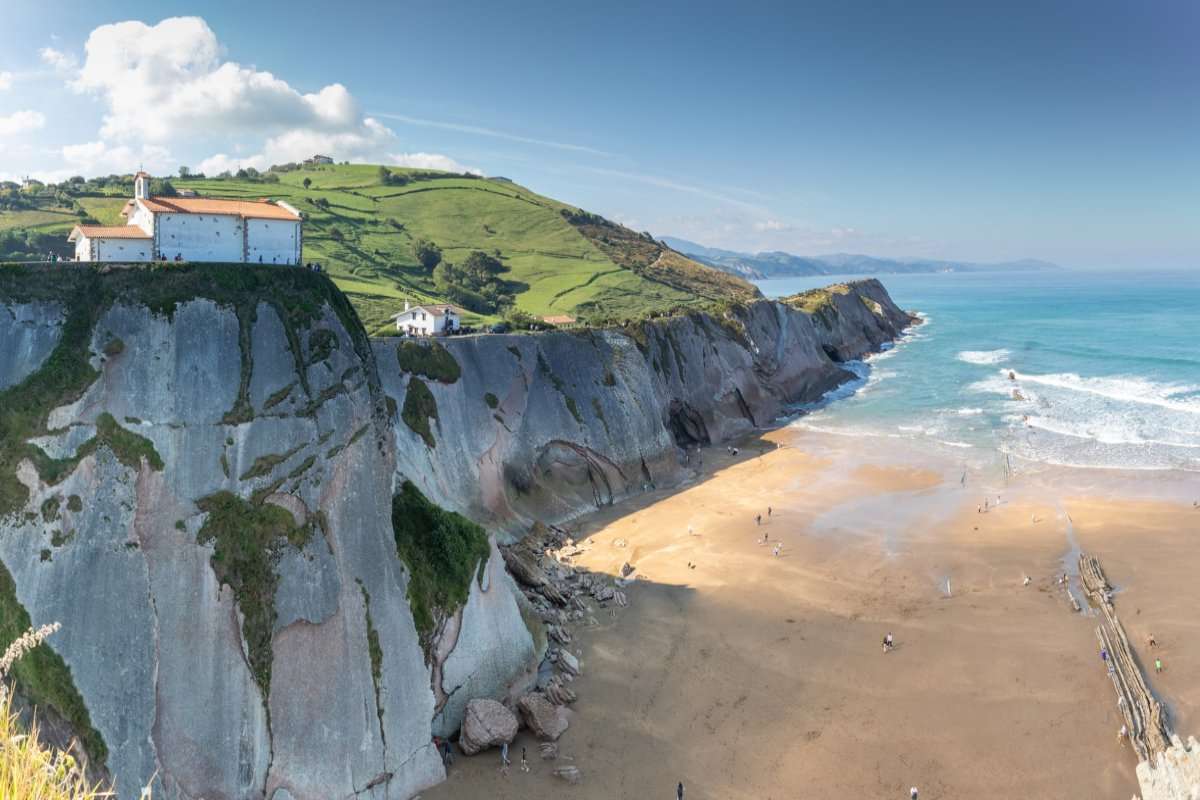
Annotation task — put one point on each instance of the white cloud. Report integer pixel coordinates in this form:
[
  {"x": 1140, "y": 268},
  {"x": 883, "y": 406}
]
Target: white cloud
[
  {"x": 167, "y": 80},
  {"x": 21, "y": 122},
  {"x": 6, "y": 81},
  {"x": 63, "y": 63},
  {"x": 476, "y": 130},
  {"x": 430, "y": 161},
  {"x": 100, "y": 158},
  {"x": 167, "y": 84},
  {"x": 222, "y": 162},
  {"x": 770, "y": 225}
]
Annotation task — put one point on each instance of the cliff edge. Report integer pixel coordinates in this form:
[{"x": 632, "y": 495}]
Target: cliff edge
[{"x": 229, "y": 497}]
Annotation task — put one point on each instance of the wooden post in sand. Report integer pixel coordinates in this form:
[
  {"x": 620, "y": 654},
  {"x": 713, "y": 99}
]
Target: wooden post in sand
[{"x": 1145, "y": 718}]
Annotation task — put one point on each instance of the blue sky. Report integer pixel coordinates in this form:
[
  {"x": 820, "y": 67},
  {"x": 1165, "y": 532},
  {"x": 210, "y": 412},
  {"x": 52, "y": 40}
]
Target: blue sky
[{"x": 1068, "y": 131}]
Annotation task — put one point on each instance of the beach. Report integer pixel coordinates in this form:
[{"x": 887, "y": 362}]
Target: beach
[{"x": 751, "y": 675}]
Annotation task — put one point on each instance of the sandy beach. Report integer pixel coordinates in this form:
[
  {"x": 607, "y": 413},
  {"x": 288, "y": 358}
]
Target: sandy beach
[{"x": 751, "y": 675}]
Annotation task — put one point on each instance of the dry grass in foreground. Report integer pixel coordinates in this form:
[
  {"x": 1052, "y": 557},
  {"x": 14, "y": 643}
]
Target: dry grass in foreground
[{"x": 29, "y": 770}]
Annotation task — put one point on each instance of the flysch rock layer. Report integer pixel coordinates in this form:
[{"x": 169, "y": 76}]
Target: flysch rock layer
[
  {"x": 154, "y": 641},
  {"x": 584, "y": 419}
]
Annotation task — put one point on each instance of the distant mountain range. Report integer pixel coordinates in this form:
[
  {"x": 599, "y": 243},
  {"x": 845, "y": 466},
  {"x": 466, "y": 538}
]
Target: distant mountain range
[{"x": 776, "y": 264}]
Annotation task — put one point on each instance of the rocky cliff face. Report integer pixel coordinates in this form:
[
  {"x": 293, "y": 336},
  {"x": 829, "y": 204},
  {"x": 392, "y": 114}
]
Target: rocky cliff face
[
  {"x": 550, "y": 426},
  {"x": 196, "y": 478}
]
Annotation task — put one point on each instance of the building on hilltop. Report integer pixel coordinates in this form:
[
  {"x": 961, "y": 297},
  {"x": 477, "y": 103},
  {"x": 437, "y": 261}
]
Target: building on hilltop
[
  {"x": 194, "y": 229},
  {"x": 426, "y": 320},
  {"x": 319, "y": 159}
]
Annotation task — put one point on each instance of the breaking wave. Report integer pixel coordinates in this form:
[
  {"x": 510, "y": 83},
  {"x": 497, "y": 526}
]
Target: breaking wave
[{"x": 985, "y": 356}]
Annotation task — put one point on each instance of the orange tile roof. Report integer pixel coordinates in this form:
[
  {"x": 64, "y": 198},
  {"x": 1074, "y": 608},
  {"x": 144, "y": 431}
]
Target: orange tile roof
[
  {"x": 561, "y": 319},
  {"x": 111, "y": 232},
  {"x": 247, "y": 209}
]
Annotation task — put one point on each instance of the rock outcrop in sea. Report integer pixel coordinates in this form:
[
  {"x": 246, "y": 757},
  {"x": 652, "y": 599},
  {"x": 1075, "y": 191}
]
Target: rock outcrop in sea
[{"x": 229, "y": 497}]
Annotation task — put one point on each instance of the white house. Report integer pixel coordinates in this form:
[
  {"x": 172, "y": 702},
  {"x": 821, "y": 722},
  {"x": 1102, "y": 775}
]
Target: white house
[
  {"x": 319, "y": 159},
  {"x": 426, "y": 320},
  {"x": 194, "y": 229}
]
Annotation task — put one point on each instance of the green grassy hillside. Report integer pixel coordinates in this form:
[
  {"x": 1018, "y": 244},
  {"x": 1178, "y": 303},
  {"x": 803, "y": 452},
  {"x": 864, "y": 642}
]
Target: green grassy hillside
[{"x": 365, "y": 226}]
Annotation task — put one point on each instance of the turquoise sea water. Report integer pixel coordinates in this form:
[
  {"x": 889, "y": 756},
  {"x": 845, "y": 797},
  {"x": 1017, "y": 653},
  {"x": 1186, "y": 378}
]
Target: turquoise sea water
[{"x": 1071, "y": 368}]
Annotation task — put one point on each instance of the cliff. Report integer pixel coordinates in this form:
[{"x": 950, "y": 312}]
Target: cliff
[
  {"x": 551, "y": 426},
  {"x": 204, "y": 476}
]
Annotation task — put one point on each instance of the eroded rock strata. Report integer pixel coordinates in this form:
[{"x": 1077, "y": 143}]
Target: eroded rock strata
[{"x": 198, "y": 473}]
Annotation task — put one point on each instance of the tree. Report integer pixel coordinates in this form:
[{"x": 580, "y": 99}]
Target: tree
[
  {"x": 307, "y": 182},
  {"x": 184, "y": 172},
  {"x": 336, "y": 234},
  {"x": 384, "y": 175},
  {"x": 428, "y": 253}
]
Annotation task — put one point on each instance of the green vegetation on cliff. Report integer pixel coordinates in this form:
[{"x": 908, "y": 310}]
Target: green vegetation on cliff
[
  {"x": 420, "y": 406},
  {"x": 387, "y": 234},
  {"x": 432, "y": 361},
  {"x": 443, "y": 552},
  {"x": 85, "y": 293},
  {"x": 43, "y": 676},
  {"x": 247, "y": 538}
]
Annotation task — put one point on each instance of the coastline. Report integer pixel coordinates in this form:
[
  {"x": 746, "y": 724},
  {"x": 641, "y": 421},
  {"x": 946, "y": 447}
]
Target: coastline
[{"x": 752, "y": 676}]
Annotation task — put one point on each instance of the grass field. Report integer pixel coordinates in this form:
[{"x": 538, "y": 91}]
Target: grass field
[{"x": 364, "y": 231}]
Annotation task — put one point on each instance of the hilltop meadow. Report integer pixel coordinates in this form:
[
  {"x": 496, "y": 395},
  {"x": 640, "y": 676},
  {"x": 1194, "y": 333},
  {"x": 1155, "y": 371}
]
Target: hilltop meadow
[{"x": 386, "y": 234}]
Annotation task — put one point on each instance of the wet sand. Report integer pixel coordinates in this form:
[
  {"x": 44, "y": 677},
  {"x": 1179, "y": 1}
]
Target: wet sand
[{"x": 755, "y": 676}]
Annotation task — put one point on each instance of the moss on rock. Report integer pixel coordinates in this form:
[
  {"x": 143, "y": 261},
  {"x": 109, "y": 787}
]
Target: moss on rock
[
  {"x": 430, "y": 361},
  {"x": 43, "y": 676},
  {"x": 246, "y": 539},
  {"x": 443, "y": 552},
  {"x": 420, "y": 406}
]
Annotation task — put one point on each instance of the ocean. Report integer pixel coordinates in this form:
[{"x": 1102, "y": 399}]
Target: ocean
[{"x": 1071, "y": 368}]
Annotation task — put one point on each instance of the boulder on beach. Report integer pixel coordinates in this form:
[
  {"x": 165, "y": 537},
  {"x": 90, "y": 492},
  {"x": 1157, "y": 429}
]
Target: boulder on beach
[
  {"x": 486, "y": 723},
  {"x": 545, "y": 719}
]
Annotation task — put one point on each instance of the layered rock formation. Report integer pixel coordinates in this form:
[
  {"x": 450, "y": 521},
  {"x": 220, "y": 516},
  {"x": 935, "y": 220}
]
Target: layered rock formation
[
  {"x": 550, "y": 426},
  {"x": 197, "y": 468}
]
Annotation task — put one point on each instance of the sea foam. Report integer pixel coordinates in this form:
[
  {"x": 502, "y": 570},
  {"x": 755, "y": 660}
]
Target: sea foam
[{"x": 985, "y": 356}]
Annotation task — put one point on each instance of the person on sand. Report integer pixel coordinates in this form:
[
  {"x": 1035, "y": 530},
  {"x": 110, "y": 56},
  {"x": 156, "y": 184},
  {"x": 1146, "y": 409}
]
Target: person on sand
[
  {"x": 1150, "y": 640},
  {"x": 758, "y": 520},
  {"x": 524, "y": 761},
  {"x": 888, "y": 642},
  {"x": 1158, "y": 665},
  {"x": 1026, "y": 581},
  {"x": 504, "y": 762},
  {"x": 1104, "y": 654},
  {"x": 912, "y": 793},
  {"x": 778, "y": 547},
  {"x": 768, "y": 511},
  {"x": 679, "y": 791},
  {"x": 1122, "y": 734}
]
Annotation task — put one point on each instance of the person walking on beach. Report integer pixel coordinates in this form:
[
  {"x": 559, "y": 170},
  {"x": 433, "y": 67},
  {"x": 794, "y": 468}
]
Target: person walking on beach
[
  {"x": 1104, "y": 654},
  {"x": 1158, "y": 665},
  {"x": 758, "y": 520},
  {"x": 888, "y": 642},
  {"x": 768, "y": 511},
  {"x": 679, "y": 791},
  {"x": 1122, "y": 734},
  {"x": 1150, "y": 640},
  {"x": 778, "y": 547},
  {"x": 524, "y": 761},
  {"x": 504, "y": 762},
  {"x": 912, "y": 793}
]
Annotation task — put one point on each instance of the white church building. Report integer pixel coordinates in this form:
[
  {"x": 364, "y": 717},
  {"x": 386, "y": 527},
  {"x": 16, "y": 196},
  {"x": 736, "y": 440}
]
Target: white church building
[
  {"x": 426, "y": 320},
  {"x": 194, "y": 229}
]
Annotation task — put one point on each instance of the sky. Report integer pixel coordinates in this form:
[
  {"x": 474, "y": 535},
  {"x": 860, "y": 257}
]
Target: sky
[{"x": 1067, "y": 131}]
